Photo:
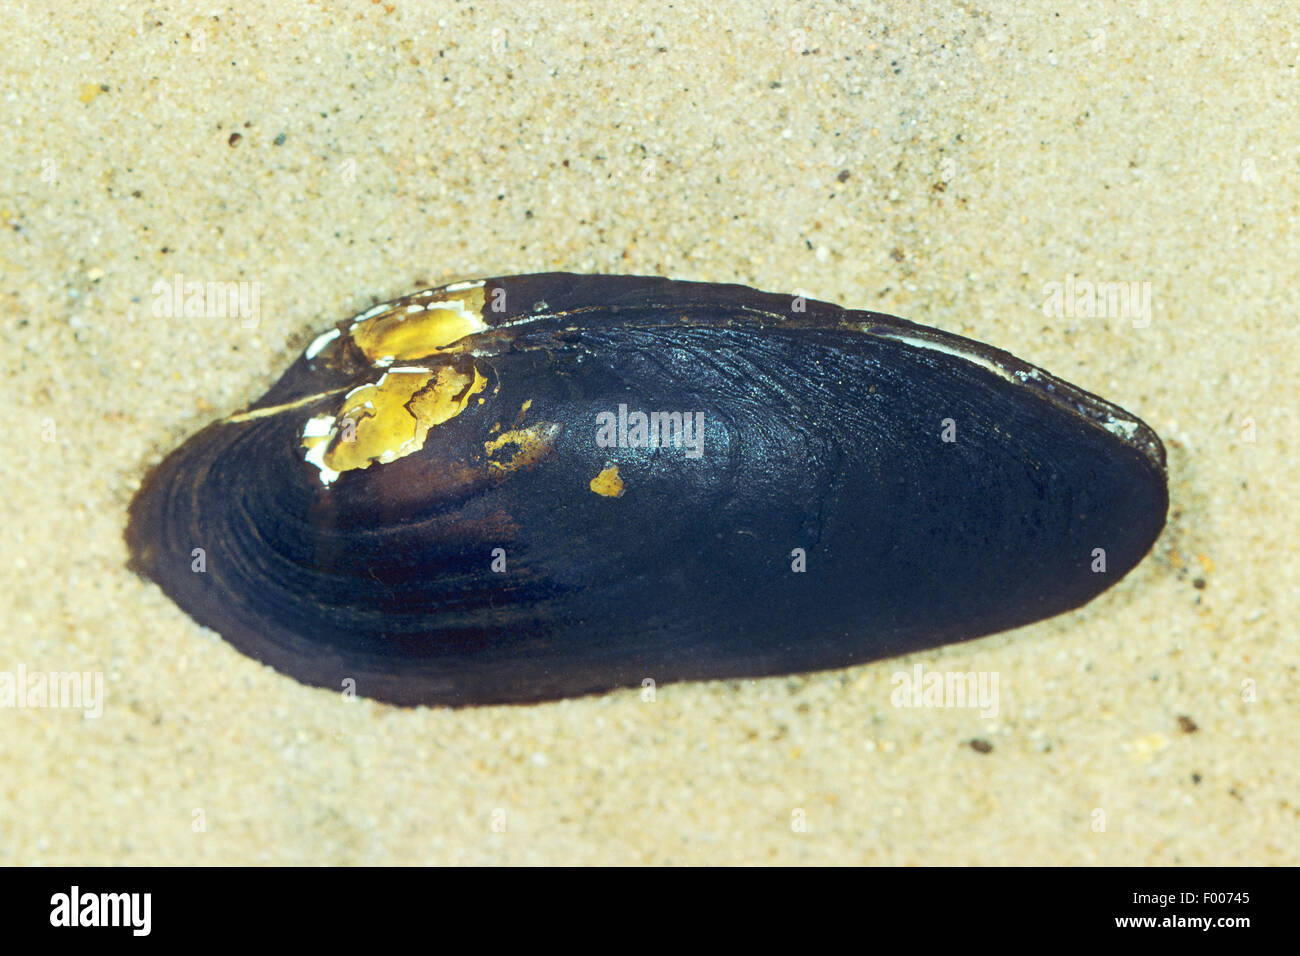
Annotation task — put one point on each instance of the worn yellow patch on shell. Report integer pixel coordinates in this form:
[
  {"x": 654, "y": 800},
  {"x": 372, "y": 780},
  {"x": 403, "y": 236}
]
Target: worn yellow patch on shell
[
  {"x": 389, "y": 419},
  {"x": 533, "y": 444},
  {"x": 608, "y": 484},
  {"x": 413, "y": 328}
]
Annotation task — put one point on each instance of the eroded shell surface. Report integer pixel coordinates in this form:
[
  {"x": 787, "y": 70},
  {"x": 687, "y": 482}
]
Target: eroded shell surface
[{"x": 451, "y": 499}]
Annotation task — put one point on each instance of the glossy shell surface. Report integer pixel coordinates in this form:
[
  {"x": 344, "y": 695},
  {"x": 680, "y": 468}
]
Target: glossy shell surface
[{"x": 454, "y": 499}]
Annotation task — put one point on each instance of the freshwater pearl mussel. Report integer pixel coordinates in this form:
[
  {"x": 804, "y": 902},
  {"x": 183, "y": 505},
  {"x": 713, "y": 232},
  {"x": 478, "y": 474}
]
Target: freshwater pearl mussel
[{"x": 541, "y": 486}]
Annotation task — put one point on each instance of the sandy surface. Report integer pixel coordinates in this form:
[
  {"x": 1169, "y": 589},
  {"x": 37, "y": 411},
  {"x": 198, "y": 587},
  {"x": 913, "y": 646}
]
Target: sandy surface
[{"x": 942, "y": 161}]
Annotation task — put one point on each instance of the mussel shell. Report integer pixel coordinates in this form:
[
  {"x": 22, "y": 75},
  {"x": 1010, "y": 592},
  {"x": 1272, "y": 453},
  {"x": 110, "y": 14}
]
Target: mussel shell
[{"x": 823, "y": 431}]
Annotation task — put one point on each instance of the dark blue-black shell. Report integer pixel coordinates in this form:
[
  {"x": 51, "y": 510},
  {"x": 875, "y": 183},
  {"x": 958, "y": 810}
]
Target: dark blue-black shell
[{"x": 864, "y": 487}]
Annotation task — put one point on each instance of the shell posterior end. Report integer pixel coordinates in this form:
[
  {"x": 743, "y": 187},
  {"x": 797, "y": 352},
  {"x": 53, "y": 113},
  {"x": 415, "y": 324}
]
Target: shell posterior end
[{"x": 1098, "y": 412}]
